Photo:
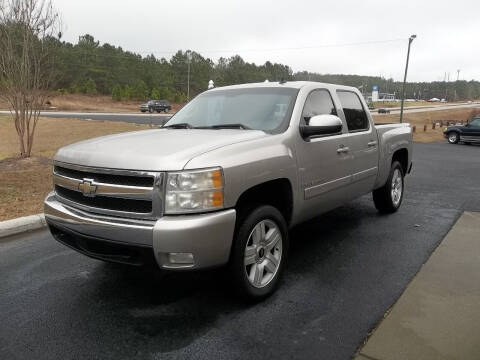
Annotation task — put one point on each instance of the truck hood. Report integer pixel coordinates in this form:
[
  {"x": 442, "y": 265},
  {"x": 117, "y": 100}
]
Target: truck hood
[{"x": 151, "y": 150}]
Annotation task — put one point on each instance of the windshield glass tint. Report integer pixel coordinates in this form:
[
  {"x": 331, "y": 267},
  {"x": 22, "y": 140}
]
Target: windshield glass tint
[{"x": 267, "y": 109}]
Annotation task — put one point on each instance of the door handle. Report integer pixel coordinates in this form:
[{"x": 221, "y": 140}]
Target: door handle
[
  {"x": 343, "y": 149},
  {"x": 372, "y": 143}
]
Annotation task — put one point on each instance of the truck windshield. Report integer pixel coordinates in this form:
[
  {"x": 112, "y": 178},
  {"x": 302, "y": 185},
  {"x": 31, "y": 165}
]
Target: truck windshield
[{"x": 267, "y": 109}]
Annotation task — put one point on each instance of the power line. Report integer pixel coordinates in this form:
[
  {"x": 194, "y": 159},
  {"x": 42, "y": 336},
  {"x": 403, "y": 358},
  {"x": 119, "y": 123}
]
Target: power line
[
  {"x": 281, "y": 48},
  {"x": 132, "y": 54}
]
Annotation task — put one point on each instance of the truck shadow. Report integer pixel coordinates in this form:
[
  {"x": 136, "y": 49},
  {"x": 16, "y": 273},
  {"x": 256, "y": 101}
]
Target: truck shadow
[{"x": 170, "y": 310}]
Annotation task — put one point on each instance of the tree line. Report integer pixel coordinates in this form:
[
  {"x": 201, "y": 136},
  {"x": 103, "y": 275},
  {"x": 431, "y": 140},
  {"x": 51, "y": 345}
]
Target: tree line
[{"x": 91, "y": 68}]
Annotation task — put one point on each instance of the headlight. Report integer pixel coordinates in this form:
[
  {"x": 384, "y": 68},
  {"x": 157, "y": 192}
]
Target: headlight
[{"x": 194, "y": 191}]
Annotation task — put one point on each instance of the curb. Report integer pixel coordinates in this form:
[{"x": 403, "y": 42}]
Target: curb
[{"x": 20, "y": 225}]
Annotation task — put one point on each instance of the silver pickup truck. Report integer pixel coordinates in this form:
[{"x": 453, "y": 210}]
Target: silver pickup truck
[{"x": 226, "y": 178}]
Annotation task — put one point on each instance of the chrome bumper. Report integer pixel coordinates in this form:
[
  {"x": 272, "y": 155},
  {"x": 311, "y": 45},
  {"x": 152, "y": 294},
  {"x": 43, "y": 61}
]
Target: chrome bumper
[{"x": 207, "y": 237}]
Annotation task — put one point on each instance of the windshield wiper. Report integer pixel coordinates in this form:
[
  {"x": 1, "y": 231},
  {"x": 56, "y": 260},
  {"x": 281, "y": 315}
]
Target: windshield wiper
[
  {"x": 179, "y": 126},
  {"x": 225, "y": 126}
]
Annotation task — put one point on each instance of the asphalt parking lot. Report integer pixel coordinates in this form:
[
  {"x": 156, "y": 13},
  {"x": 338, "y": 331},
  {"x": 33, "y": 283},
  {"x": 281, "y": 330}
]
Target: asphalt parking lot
[{"x": 346, "y": 269}]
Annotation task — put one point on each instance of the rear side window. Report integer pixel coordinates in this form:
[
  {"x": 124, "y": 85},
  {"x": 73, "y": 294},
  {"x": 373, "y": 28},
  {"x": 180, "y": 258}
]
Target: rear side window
[
  {"x": 354, "y": 113},
  {"x": 319, "y": 102}
]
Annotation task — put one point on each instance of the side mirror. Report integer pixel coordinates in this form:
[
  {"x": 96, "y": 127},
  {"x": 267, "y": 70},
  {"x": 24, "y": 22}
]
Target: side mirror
[{"x": 322, "y": 125}]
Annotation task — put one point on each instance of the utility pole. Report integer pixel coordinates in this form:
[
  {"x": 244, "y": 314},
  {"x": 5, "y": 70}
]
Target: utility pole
[
  {"x": 410, "y": 39},
  {"x": 456, "y": 84},
  {"x": 189, "y": 58}
]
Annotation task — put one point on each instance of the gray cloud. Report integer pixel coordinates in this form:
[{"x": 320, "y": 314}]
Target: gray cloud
[{"x": 268, "y": 30}]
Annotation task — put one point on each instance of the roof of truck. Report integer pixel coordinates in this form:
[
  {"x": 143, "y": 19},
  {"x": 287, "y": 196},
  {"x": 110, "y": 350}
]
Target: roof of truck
[{"x": 286, "y": 84}]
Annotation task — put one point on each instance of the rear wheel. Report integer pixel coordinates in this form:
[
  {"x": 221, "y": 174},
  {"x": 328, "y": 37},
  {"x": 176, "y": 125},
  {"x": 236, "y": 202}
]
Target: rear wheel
[
  {"x": 259, "y": 252},
  {"x": 388, "y": 198},
  {"x": 453, "y": 137}
]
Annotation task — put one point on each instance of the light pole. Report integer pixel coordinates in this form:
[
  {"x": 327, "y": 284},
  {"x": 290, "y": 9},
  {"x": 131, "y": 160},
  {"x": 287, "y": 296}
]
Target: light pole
[
  {"x": 410, "y": 39},
  {"x": 189, "y": 58}
]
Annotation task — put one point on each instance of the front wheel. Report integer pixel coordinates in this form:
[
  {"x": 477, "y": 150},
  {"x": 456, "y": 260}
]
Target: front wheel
[
  {"x": 388, "y": 198},
  {"x": 259, "y": 252},
  {"x": 453, "y": 137}
]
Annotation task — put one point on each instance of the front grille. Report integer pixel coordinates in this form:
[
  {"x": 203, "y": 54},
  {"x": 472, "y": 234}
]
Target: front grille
[
  {"x": 128, "y": 180},
  {"x": 104, "y": 202},
  {"x": 124, "y": 193}
]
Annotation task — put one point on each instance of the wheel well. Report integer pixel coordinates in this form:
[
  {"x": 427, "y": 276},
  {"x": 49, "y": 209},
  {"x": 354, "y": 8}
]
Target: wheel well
[
  {"x": 402, "y": 157},
  {"x": 277, "y": 193}
]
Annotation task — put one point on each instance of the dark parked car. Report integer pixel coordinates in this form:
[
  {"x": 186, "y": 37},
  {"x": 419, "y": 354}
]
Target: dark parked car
[
  {"x": 156, "y": 105},
  {"x": 469, "y": 133},
  {"x": 383, "y": 111}
]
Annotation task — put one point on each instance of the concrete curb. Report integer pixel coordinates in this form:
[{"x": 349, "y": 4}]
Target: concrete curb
[{"x": 20, "y": 225}]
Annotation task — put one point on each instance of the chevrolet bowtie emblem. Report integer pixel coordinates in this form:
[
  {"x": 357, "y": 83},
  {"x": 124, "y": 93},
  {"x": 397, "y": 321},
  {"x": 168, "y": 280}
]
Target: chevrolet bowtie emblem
[{"x": 87, "y": 188}]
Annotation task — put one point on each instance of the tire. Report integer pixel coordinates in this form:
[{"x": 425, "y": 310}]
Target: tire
[
  {"x": 388, "y": 198},
  {"x": 453, "y": 137},
  {"x": 143, "y": 111},
  {"x": 256, "y": 274}
]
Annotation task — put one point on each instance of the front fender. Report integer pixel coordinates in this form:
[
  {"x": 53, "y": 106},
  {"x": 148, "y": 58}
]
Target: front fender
[{"x": 251, "y": 163}]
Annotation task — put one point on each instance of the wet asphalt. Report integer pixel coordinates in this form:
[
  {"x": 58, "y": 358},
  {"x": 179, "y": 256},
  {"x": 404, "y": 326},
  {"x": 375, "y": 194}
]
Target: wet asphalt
[{"x": 346, "y": 269}]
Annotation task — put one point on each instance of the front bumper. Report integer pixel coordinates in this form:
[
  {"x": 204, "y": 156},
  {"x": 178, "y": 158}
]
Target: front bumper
[{"x": 207, "y": 237}]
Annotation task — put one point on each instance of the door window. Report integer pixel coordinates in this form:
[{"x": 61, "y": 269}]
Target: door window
[
  {"x": 475, "y": 123},
  {"x": 319, "y": 102},
  {"x": 355, "y": 115}
]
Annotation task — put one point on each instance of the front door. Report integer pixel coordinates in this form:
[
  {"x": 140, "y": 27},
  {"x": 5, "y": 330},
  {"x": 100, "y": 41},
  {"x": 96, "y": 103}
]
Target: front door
[
  {"x": 472, "y": 131},
  {"x": 324, "y": 163}
]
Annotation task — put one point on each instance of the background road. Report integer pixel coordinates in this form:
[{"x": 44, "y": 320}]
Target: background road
[
  {"x": 160, "y": 119},
  {"x": 346, "y": 270},
  {"x": 417, "y": 109},
  {"x": 138, "y": 118}
]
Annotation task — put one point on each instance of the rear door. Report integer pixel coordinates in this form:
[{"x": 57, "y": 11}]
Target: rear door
[{"x": 362, "y": 141}]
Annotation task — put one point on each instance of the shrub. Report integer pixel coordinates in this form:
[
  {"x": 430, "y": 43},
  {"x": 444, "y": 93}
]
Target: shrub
[
  {"x": 140, "y": 91},
  {"x": 90, "y": 87},
  {"x": 117, "y": 93}
]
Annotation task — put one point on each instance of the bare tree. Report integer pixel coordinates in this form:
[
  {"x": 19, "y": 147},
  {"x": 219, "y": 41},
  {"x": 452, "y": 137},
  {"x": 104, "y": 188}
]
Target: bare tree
[{"x": 29, "y": 37}]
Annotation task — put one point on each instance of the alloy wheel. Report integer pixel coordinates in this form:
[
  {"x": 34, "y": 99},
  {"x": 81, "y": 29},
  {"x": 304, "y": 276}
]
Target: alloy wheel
[{"x": 263, "y": 253}]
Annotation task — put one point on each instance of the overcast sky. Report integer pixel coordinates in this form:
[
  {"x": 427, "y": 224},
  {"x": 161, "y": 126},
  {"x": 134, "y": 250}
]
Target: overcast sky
[{"x": 308, "y": 35}]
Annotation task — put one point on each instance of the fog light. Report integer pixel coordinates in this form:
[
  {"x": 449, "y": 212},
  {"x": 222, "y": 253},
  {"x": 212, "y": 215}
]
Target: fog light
[{"x": 180, "y": 258}]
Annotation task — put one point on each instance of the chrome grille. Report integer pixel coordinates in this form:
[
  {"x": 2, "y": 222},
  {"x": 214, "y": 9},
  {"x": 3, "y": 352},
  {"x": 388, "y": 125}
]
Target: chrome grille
[{"x": 126, "y": 193}]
